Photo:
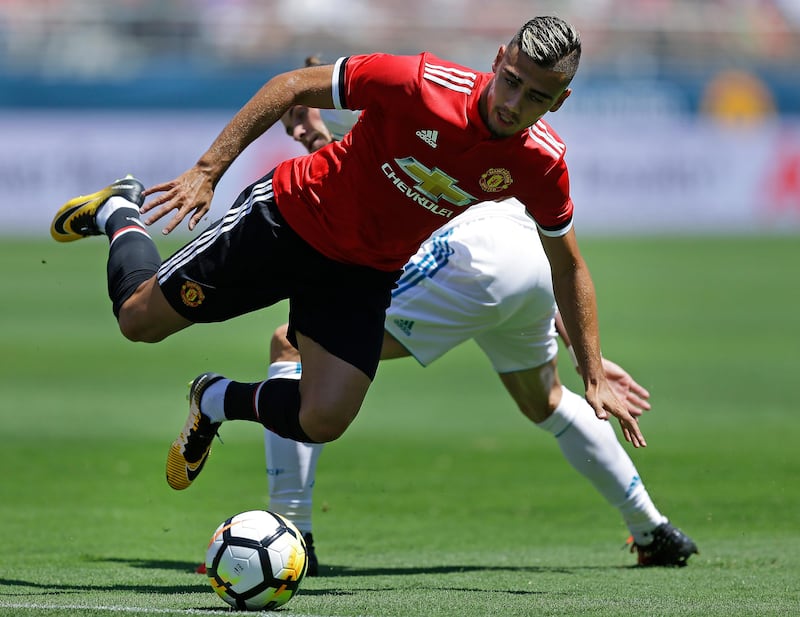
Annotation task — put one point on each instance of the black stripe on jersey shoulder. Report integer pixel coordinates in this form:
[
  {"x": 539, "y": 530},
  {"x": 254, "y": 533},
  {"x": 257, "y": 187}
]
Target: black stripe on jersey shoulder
[
  {"x": 556, "y": 228},
  {"x": 342, "y": 68}
]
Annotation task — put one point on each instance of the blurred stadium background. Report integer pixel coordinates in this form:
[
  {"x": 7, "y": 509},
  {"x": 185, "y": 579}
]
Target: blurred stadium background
[{"x": 684, "y": 117}]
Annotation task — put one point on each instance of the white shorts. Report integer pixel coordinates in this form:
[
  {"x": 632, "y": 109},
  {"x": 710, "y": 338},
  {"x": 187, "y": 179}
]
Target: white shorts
[{"x": 483, "y": 276}]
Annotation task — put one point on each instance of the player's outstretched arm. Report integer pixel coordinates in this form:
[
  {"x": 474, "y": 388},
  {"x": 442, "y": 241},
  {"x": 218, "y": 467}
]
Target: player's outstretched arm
[
  {"x": 192, "y": 191},
  {"x": 575, "y": 296}
]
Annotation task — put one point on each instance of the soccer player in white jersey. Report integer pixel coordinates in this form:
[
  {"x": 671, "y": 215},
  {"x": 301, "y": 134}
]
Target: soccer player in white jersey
[{"x": 463, "y": 283}]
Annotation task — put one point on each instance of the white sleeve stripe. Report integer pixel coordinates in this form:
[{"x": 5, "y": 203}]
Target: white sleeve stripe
[
  {"x": 467, "y": 79},
  {"x": 447, "y": 84},
  {"x": 450, "y": 70},
  {"x": 541, "y": 130},
  {"x": 557, "y": 150},
  {"x": 338, "y": 95},
  {"x": 540, "y": 133},
  {"x": 547, "y": 146}
]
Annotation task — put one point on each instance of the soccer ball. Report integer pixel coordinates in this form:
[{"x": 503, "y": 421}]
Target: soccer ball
[{"x": 256, "y": 560}]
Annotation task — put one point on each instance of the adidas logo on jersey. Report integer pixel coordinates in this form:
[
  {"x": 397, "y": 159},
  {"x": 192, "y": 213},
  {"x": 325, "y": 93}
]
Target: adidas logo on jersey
[
  {"x": 405, "y": 325},
  {"x": 429, "y": 137}
]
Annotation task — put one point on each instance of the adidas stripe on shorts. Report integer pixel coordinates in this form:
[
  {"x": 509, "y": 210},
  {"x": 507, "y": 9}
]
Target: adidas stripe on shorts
[{"x": 251, "y": 259}]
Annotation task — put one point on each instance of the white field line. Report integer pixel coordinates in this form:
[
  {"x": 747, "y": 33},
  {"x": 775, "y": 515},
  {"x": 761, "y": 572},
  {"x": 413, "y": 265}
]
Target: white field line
[{"x": 38, "y": 606}]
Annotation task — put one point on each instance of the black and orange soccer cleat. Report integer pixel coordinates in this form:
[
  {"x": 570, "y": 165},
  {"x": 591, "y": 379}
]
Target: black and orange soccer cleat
[
  {"x": 670, "y": 547},
  {"x": 76, "y": 218},
  {"x": 190, "y": 450}
]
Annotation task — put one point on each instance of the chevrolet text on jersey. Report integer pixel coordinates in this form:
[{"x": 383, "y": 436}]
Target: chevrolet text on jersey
[{"x": 414, "y": 195}]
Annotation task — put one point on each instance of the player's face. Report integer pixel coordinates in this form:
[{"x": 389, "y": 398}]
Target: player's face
[
  {"x": 304, "y": 124},
  {"x": 520, "y": 93}
]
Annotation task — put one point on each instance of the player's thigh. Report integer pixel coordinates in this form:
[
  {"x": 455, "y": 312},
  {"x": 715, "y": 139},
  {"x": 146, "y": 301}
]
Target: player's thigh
[
  {"x": 342, "y": 309},
  {"x": 525, "y": 339},
  {"x": 427, "y": 329},
  {"x": 331, "y": 390},
  {"x": 392, "y": 348},
  {"x": 336, "y": 319}
]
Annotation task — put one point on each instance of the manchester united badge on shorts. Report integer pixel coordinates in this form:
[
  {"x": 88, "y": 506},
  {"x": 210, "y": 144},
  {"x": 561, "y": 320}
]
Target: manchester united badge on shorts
[{"x": 192, "y": 294}]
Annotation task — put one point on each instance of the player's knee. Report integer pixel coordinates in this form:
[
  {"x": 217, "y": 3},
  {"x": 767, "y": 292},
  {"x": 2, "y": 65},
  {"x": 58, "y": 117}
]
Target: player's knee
[
  {"x": 135, "y": 333},
  {"x": 539, "y": 408},
  {"x": 536, "y": 391},
  {"x": 324, "y": 433},
  {"x": 138, "y": 330},
  {"x": 147, "y": 318},
  {"x": 536, "y": 411},
  {"x": 323, "y": 426},
  {"x": 280, "y": 349}
]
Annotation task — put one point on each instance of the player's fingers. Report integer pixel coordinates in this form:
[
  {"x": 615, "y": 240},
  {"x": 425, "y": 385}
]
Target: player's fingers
[
  {"x": 156, "y": 215},
  {"x": 626, "y": 434},
  {"x": 634, "y": 411},
  {"x": 636, "y": 437},
  {"x": 155, "y": 202},
  {"x": 596, "y": 404},
  {"x": 173, "y": 223},
  {"x": 159, "y": 188},
  {"x": 639, "y": 390},
  {"x": 196, "y": 218},
  {"x": 636, "y": 406}
]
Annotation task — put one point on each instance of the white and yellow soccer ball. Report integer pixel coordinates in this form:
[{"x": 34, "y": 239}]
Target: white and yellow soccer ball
[{"x": 256, "y": 560}]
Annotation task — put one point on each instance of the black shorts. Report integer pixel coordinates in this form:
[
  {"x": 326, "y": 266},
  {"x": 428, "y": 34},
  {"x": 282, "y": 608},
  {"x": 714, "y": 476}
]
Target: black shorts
[{"x": 251, "y": 259}]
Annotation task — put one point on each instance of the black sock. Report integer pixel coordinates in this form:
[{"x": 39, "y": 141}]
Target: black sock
[
  {"x": 133, "y": 257},
  {"x": 277, "y": 407}
]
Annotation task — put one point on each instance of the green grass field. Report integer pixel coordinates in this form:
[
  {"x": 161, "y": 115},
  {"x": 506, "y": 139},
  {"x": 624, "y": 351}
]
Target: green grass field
[{"x": 441, "y": 500}]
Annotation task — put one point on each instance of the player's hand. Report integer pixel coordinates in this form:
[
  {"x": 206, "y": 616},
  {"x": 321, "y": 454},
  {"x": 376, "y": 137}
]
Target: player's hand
[
  {"x": 191, "y": 192},
  {"x": 626, "y": 388},
  {"x": 603, "y": 400}
]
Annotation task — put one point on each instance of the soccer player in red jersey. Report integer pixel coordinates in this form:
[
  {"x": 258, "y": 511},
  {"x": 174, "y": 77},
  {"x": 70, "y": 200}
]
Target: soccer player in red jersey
[
  {"x": 464, "y": 283},
  {"x": 331, "y": 230}
]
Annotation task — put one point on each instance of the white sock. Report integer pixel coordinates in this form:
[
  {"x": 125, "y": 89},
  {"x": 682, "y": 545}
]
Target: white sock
[
  {"x": 291, "y": 465},
  {"x": 592, "y": 448},
  {"x": 212, "y": 404},
  {"x": 284, "y": 370},
  {"x": 107, "y": 209}
]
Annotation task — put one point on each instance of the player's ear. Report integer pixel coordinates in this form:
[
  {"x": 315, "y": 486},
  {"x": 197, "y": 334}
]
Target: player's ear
[
  {"x": 560, "y": 101},
  {"x": 500, "y": 53}
]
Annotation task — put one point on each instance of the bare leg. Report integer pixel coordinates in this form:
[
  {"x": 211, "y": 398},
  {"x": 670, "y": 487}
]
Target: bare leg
[
  {"x": 147, "y": 316},
  {"x": 331, "y": 391},
  {"x": 536, "y": 391}
]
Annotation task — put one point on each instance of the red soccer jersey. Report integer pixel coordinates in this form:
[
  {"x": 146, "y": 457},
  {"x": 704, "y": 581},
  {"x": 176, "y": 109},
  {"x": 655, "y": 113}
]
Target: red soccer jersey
[{"x": 419, "y": 155}]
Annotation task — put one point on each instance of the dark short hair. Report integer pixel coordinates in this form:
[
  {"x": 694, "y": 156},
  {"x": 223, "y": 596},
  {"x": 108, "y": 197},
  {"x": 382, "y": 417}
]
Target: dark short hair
[{"x": 552, "y": 43}]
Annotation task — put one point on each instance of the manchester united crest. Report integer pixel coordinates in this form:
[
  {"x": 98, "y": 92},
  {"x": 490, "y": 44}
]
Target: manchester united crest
[
  {"x": 495, "y": 180},
  {"x": 192, "y": 294}
]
